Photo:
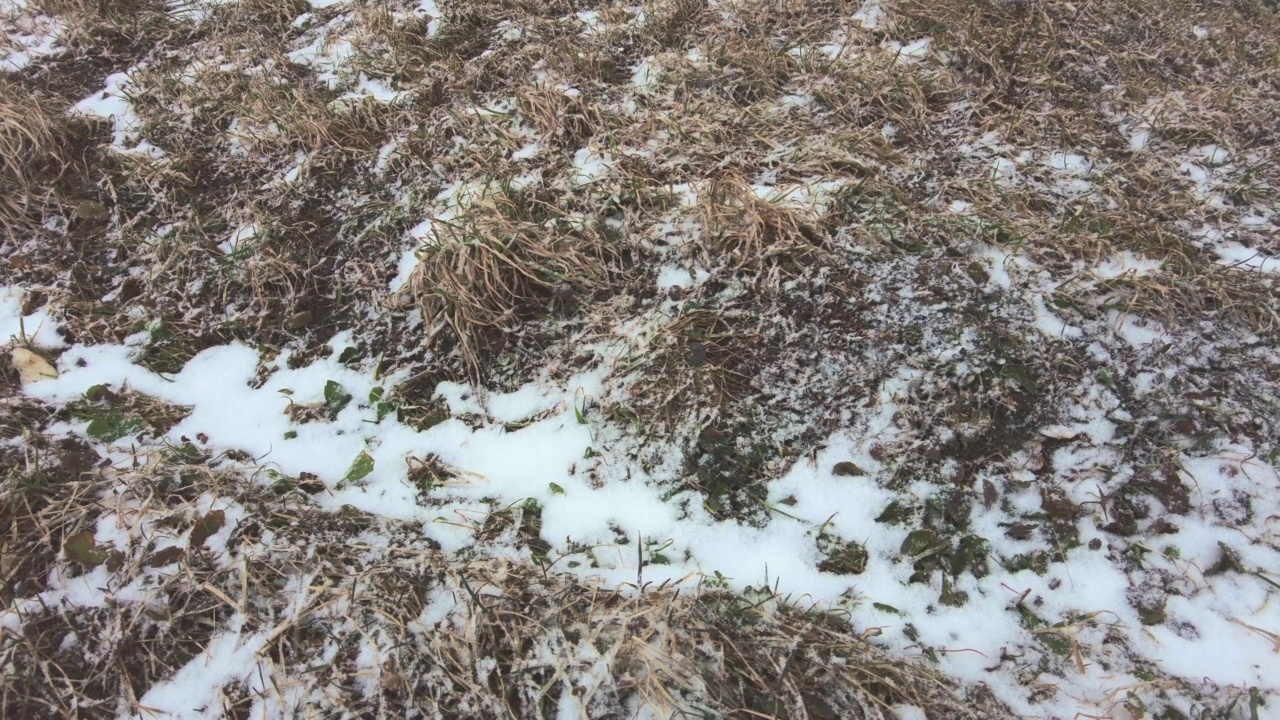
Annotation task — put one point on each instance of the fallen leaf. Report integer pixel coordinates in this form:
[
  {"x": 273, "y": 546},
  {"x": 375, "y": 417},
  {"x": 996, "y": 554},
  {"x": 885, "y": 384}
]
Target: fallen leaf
[
  {"x": 83, "y": 548},
  {"x": 207, "y": 526},
  {"x": 847, "y": 469},
  {"x": 299, "y": 320},
  {"x": 30, "y": 366},
  {"x": 167, "y": 556}
]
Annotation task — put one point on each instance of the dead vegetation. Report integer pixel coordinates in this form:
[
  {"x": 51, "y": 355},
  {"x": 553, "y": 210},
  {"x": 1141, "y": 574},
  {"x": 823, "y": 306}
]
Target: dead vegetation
[
  {"x": 804, "y": 327},
  {"x": 509, "y": 257},
  {"x": 34, "y": 144},
  {"x": 749, "y": 231},
  {"x": 301, "y": 585}
]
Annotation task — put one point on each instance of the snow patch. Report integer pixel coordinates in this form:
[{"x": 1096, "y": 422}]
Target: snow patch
[{"x": 112, "y": 103}]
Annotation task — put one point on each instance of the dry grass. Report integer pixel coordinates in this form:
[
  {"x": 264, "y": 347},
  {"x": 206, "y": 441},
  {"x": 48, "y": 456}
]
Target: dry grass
[
  {"x": 508, "y": 258},
  {"x": 674, "y": 651},
  {"x": 807, "y": 316},
  {"x": 748, "y": 232},
  {"x": 31, "y": 137}
]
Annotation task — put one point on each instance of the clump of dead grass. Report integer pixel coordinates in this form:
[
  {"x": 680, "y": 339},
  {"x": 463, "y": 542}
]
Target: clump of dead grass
[
  {"x": 747, "y": 232},
  {"x": 558, "y": 117},
  {"x": 30, "y": 151},
  {"x": 510, "y": 258}
]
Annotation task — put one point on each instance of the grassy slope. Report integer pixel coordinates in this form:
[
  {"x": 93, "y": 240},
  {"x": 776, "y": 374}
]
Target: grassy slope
[{"x": 812, "y": 307}]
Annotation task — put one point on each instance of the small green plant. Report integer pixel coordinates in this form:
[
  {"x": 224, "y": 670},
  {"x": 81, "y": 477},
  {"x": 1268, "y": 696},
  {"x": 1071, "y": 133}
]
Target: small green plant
[
  {"x": 335, "y": 399},
  {"x": 360, "y": 468}
]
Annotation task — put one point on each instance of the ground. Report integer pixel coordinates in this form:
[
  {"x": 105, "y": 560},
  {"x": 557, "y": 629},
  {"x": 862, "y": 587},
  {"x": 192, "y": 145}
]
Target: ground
[{"x": 745, "y": 358}]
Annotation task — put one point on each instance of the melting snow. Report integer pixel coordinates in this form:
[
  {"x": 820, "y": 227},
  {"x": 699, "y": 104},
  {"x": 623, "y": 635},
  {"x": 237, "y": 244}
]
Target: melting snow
[
  {"x": 112, "y": 103},
  {"x": 589, "y": 165},
  {"x": 1069, "y": 162},
  {"x": 870, "y": 15}
]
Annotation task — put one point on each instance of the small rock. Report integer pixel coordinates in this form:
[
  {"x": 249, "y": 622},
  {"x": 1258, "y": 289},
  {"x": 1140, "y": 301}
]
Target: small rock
[
  {"x": 989, "y": 493},
  {"x": 1151, "y": 616},
  {"x": 75, "y": 457},
  {"x": 918, "y": 541},
  {"x": 847, "y": 469},
  {"x": 1061, "y": 432},
  {"x": 310, "y": 483},
  {"x": 167, "y": 556}
]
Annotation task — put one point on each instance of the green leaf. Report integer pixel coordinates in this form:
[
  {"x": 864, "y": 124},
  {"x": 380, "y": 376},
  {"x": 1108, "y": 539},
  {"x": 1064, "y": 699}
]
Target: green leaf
[
  {"x": 113, "y": 426},
  {"x": 376, "y": 394},
  {"x": 886, "y": 608},
  {"x": 349, "y": 354},
  {"x": 82, "y": 548},
  {"x": 555, "y": 489},
  {"x": 580, "y": 412},
  {"x": 384, "y": 409},
  {"x": 335, "y": 398},
  {"x": 360, "y": 467},
  {"x": 95, "y": 393},
  {"x": 291, "y": 434},
  {"x": 918, "y": 542}
]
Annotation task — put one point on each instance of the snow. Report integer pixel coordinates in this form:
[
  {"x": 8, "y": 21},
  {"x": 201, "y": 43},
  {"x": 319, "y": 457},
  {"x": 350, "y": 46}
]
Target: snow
[
  {"x": 670, "y": 276},
  {"x": 1138, "y": 140},
  {"x": 546, "y": 459},
  {"x": 548, "y": 441},
  {"x": 591, "y": 22},
  {"x": 1004, "y": 171},
  {"x": 528, "y": 152},
  {"x": 379, "y": 90},
  {"x": 910, "y": 53},
  {"x": 1126, "y": 263},
  {"x": 1237, "y": 255},
  {"x": 644, "y": 76},
  {"x": 39, "y": 327},
  {"x": 1213, "y": 155},
  {"x": 239, "y": 239},
  {"x": 385, "y": 154},
  {"x": 870, "y": 15},
  {"x": 811, "y": 197},
  {"x": 194, "y": 691},
  {"x": 328, "y": 53},
  {"x": 428, "y": 8},
  {"x": 112, "y": 104},
  {"x": 589, "y": 165},
  {"x": 29, "y": 37},
  {"x": 1069, "y": 163}
]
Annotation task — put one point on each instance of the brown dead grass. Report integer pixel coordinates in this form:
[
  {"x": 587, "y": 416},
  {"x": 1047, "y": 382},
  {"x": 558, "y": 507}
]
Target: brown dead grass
[
  {"x": 676, "y": 651},
  {"x": 1037, "y": 73},
  {"x": 509, "y": 257},
  {"x": 31, "y": 137},
  {"x": 748, "y": 232}
]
